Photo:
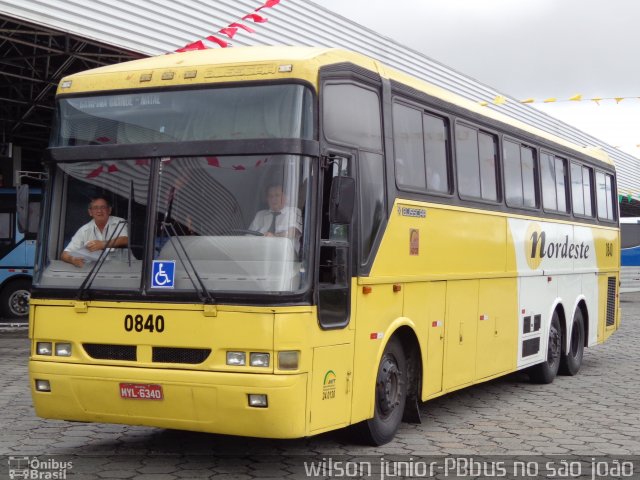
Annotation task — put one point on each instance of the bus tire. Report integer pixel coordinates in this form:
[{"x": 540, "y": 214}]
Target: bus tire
[
  {"x": 546, "y": 371},
  {"x": 571, "y": 361},
  {"x": 390, "y": 396},
  {"x": 14, "y": 299}
]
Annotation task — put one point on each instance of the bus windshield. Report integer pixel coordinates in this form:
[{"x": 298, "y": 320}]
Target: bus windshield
[
  {"x": 207, "y": 223},
  {"x": 228, "y": 113}
]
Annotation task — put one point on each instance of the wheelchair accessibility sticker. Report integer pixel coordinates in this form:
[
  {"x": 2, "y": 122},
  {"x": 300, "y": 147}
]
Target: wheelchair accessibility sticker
[{"x": 162, "y": 273}]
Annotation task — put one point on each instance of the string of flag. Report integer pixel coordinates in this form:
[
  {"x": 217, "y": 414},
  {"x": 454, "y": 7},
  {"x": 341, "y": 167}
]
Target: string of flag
[
  {"x": 502, "y": 100},
  {"x": 228, "y": 32},
  {"x": 629, "y": 197}
]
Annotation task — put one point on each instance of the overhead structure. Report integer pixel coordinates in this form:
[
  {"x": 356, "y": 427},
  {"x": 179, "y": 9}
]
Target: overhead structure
[
  {"x": 41, "y": 41},
  {"x": 33, "y": 58}
]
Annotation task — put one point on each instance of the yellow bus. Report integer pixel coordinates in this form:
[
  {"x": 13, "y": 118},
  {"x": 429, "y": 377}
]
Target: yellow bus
[{"x": 311, "y": 241}]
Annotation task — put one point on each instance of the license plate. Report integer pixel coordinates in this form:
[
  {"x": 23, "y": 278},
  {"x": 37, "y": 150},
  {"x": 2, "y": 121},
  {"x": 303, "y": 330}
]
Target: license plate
[{"x": 141, "y": 391}]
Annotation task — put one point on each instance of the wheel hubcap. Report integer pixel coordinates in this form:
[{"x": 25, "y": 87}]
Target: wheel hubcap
[
  {"x": 388, "y": 386},
  {"x": 554, "y": 346},
  {"x": 19, "y": 303}
]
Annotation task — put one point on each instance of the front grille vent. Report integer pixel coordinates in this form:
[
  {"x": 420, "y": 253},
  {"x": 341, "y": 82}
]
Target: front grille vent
[
  {"x": 611, "y": 301},
  {"x": 192, "y": 356},
  {"x": 101, "y": 351},
  {"x": 180, "y": 355}
]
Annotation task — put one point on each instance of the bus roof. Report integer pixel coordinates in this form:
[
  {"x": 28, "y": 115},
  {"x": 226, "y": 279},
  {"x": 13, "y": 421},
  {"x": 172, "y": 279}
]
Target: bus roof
[{"x": 268, "y": 63}]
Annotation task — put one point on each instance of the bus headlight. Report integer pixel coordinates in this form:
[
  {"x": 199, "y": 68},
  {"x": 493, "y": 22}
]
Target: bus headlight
[
  {"x": 259, "y": 359},
  {"x": 236, "y": 358},
  {"x": 43, "y": 386},
  {"x": 258, "y": 400},
  {"x": 288, "y": 360},
  {"x": 43, "y": 348},
  {"x": 63, "y": 349}
]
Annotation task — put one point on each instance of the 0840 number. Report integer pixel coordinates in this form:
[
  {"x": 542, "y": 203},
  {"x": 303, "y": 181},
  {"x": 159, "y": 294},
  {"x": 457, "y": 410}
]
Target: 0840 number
[{"x": 139, "y": 323}]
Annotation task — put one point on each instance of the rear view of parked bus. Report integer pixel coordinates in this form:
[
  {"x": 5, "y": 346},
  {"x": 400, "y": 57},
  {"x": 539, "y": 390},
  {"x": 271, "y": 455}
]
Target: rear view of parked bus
[
  {"x": 313, "y": 241},
  {"x": 630, "y": 254},
  {"x": 17, "y": 253}
]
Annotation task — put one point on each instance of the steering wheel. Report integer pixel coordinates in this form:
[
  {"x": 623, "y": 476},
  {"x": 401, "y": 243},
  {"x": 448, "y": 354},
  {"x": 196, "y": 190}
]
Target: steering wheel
[{"x": 247, "y": 232}]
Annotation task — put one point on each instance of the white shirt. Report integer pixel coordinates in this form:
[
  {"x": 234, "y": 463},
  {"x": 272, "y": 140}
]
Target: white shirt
[
  {"x": 289, "y": 218},
  {"x": 90, "y": 231}
]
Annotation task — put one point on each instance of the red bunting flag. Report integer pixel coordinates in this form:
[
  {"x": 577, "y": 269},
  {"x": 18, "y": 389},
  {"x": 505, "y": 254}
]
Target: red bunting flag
[
  {"x": 192, "y": 46},
  {"x": 228, "y": 31},
  {"x": 95, "y": 173},
  {"x": 217, "y": 40},
  {"x": 231, "y": 29},
  {"x": 268, "y": 4},
  {"x": 255, "y": 17},
  {"x": 244, "y": 27},
  {"x": 213, "y": 162}
]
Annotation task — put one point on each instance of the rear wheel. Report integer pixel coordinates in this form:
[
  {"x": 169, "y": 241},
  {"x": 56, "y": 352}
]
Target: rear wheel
[
  {"x": 390, "y": 396},
  {"x": 14, "y": 299},
  {"x": 546, "y": 371},
  {"x": 570, "y": 362}
]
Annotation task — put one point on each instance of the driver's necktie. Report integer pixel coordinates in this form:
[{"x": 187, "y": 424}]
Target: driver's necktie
[{"x": 272, "y": 227}]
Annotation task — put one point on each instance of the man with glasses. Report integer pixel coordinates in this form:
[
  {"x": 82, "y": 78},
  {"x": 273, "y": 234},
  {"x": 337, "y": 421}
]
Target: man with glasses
[{"x": 103, "y": 232}]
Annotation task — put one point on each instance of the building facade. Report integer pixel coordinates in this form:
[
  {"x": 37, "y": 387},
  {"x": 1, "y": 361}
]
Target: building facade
[{"x": 41, "y": 41}]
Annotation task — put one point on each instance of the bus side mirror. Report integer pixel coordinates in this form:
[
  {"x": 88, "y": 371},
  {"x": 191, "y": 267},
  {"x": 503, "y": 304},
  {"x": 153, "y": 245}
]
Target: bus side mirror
[
  {"x": 343, "y": 194},
  {"x": 22, "y": 207}
]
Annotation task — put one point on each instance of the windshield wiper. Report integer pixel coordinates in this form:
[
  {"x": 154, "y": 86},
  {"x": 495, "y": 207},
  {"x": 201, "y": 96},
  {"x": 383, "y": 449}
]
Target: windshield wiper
[
  {"x": 93, "y": 273},
  {"x": 182, "y": 254},
  {"x": 174, "y": 238},
  {"x": 129, "y": 207}
]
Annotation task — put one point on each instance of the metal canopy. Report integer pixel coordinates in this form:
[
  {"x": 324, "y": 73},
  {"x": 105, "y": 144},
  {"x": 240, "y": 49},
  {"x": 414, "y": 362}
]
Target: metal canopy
[
  {"x": 33, "y": 59},
  {"x": 40, "y": 42}
]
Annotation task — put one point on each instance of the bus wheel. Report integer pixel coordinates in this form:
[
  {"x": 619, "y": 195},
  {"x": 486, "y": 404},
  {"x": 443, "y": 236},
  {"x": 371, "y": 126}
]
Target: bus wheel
[
  {"x": 391, "y": 396},
  {"x": 14, "y": 299},
  {"x": 570, "y": 363},
  {"x": 546, "y": 371}
]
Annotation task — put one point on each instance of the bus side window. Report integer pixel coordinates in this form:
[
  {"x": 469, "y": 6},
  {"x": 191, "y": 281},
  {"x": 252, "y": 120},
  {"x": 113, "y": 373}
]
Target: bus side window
[
  {"x": 5, "y": 227},
  {"x": 6, "y": 235}
]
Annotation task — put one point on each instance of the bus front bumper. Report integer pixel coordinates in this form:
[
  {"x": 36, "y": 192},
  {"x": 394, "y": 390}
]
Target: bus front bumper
[{"x": 215, "y": 402}]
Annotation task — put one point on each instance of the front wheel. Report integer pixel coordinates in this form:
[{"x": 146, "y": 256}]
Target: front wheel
[
  {"x": 14, "y": 300},
  {"x": 390, "y": 396},
  {"x": 546, "y": 371},
  {"x": 571, "y": 362}
]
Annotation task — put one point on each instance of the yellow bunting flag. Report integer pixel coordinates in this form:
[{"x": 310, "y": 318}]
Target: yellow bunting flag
[{"x": 501, "y": 100}]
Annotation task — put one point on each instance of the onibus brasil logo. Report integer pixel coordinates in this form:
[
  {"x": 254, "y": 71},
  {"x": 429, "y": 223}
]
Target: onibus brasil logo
[
  {"x": 35, "y": 468},
  {"x": 538, "y": 246}
]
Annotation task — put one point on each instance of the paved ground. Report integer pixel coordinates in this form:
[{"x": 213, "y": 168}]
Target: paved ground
[{"x": 596, "y": 413}]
